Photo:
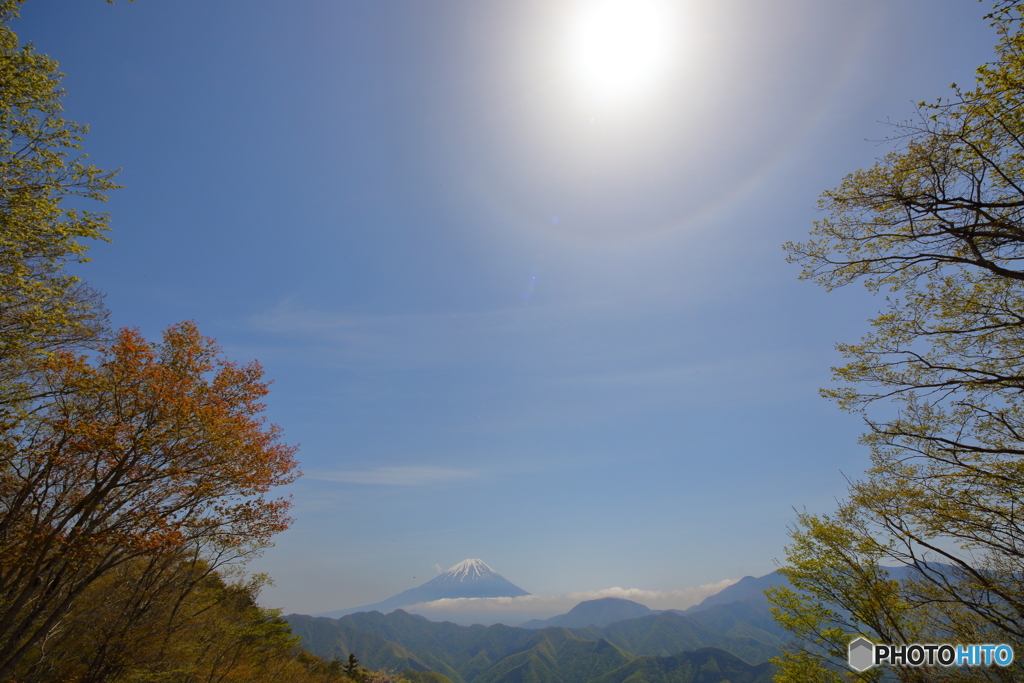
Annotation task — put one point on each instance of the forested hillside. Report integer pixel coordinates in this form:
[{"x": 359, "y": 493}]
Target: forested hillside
[{"x": 655, "y": 647}]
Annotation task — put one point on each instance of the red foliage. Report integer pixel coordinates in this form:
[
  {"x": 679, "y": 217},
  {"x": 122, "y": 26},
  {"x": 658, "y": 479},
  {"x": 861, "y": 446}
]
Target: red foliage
[{"x": 148, "y": 448}]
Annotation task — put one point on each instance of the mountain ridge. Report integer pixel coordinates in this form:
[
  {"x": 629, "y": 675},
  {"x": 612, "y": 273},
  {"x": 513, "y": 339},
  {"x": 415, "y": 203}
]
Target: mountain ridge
[
  {"x": 599, "y": 612},
  {"x": 505, "y": 654}
]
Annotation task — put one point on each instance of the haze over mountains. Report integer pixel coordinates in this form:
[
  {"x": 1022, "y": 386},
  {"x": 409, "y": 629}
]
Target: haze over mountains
[
  {"x": 729, "y": 636},
  {"x": 600, "y": 612},
  {"x": 471, "y": 592},
  {"x": 468, "y": 579}
]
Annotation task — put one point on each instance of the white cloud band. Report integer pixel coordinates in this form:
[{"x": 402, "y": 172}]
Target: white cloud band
[{"x": 544, "y": 606}]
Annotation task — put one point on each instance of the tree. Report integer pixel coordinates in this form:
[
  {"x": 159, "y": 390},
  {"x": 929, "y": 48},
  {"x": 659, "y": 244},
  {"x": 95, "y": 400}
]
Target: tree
[
  {"x": 939, "y": 225},
  {"x": 351, "y": 667},
  {"x": 41, "y": 306},
  {"x": 180, "y": 621},
  {"x": 149, "y": 449},
  {"x": 160, "y": 614},
  {"x": 130, "y": 475}
]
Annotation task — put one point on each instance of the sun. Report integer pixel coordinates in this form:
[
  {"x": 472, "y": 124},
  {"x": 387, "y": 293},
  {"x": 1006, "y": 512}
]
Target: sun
[{"x": 619, "y": 48}]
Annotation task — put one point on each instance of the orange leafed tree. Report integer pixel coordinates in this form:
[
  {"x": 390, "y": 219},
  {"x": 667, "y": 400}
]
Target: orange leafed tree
[{"x": 145, "y": 448}]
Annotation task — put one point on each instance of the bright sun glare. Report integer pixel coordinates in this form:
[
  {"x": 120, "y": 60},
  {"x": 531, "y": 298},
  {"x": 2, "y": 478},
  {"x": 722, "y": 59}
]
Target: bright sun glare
[{"x": 619, "y": 47}]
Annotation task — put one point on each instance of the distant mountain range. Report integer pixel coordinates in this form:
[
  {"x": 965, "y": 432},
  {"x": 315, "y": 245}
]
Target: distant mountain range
[
  {"x": 728, "y": 638},
  {"x": 467, "y": 579},
  {"x": 664, "y": 648},
  {"x": 747, "y": 589},
  {"x": 606, "y": 611},
  {"x": 599, "y": 612}
]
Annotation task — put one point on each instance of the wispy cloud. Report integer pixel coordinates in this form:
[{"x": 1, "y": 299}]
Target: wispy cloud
[
  {"x": 560, "y": 346},
  {"x": 396, "y": 476},
  {"x": 543, "y": 606}
]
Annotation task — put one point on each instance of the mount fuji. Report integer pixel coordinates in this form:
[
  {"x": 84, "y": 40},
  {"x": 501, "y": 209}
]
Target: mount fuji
[{"x": 467, "y": 579}]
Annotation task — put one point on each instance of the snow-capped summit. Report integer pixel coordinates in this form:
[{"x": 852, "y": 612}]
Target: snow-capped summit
[
  {"x": 470, "y": 570},
  {"x": 467, "y": 579},
  {"x": 472, "y": 579}
]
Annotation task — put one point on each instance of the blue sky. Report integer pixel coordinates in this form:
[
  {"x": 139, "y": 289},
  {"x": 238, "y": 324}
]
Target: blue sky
[{"x": 510, "y": 314}]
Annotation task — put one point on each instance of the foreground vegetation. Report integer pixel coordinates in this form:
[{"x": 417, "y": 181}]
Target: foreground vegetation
[
  {"x": 133, "y": 475},
  {"x": 938, "y": 224}
]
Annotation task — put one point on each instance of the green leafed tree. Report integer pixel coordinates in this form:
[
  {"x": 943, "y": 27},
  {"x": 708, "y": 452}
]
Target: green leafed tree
[
  {"x": 937, "y": 226},
  {"x": 44, "y": 182}
]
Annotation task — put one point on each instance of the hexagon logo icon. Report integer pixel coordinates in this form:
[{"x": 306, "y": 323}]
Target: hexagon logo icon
[{"x": 861, "y": 654}]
